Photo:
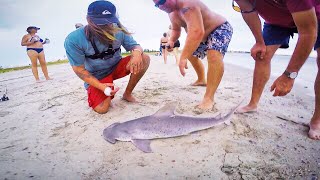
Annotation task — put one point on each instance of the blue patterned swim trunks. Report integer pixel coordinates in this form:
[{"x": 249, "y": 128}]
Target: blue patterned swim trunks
[{"x": 218, "y": 40}]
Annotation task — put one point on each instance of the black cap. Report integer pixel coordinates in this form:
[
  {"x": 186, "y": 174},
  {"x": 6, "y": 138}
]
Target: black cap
[{"x": 32, "y": 27}]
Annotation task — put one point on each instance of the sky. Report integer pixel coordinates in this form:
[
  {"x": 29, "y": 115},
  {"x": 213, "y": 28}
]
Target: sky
[{"x": 57, "y": 18}]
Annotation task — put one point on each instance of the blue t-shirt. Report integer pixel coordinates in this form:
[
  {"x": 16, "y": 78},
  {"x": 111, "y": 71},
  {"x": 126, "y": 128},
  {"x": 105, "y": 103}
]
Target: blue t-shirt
[{"x": 78, "y": 47}]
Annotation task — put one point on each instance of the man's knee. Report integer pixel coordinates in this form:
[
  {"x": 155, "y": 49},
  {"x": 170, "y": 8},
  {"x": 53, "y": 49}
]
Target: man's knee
[
  {"x": 214, "y": 56},
  {"x": 146, "y": 60},
  {"x": 102, "y": 108}
]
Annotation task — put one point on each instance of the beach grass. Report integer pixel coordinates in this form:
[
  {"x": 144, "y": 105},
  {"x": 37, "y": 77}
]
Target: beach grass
[
  {"x": 18, "y": 68},
  {"x": 63, "y": 61}
]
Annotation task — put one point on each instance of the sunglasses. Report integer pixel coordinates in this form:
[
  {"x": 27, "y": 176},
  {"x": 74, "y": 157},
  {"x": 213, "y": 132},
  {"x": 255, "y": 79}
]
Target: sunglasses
[
  {"x": 159, "y": 3},
  {"x": 238, "y": 9}
]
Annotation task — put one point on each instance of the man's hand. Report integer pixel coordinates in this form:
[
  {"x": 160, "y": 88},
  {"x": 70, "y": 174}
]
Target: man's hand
[
  {"x": 183, "y": 65},
  {"x": 282, "y": 86},
  {"x": 169, "y": 46},
  {"x": 110, "y": 85},
  {"x": 136, "y": 64},
  {"x": 258, "y": 51}
]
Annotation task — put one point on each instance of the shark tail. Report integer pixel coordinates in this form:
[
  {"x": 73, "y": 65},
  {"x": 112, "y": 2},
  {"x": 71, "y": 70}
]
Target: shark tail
[{"x": 228, "y": 116}]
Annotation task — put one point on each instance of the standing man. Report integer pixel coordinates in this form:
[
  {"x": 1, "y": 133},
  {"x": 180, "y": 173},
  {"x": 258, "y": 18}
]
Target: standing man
[
  {"x": 95, "y": 56},
  {"x": 282, "y": 18},
  {"x": 208, "y": 34}
]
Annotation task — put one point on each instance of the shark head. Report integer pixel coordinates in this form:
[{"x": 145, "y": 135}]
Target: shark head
[{"x": 109, "y": 133}]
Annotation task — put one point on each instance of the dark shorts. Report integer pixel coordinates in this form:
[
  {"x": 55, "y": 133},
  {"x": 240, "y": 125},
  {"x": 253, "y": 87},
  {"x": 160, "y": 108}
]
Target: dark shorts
[
  {"x": 218, "y": 40},
  {"x": 96, "y": 96},
  {"x": 176, "y": 44},
  {"x": 276, "y": 35}
]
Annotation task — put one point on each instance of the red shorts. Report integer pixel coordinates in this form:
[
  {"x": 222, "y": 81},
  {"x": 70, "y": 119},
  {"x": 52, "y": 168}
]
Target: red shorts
[{"x": 96, "y": 96}]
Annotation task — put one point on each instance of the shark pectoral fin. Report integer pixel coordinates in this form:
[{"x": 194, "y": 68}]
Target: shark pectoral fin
[
  {"x": 142, "y": 144},
  {"x": 167, "y": 110}
]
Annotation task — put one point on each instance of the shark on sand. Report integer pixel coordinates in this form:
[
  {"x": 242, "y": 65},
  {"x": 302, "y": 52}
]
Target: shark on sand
[{"x": 163, "y": 124}]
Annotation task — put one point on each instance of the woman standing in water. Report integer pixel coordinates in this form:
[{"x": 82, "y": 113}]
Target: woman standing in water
[{"x": 35, "y": 51}]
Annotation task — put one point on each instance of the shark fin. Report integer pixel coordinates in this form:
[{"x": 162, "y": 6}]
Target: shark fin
[
  {"x": 167, "y": 110},
  {"x": 142, "y": 144},
  {"x": 219, "y": 116}
]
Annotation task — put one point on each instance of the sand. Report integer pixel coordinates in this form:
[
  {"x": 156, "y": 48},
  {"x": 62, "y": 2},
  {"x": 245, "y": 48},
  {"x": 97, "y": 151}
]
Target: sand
[{"x": 47, "y": 130}]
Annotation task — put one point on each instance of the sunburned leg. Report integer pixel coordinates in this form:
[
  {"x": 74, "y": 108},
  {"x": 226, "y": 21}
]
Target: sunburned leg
[
  {"x": 199, "y": 68},
  {"x": 33, "y": 55},
  {"x": 103, "y": 107},
  {"x": 134, "y": 79},
  {"x": 261, "y": 76},
  {"x": 214, "y": 76},
  {"x": 314, "y": 132},
  {"x": 43, "y": 65}
]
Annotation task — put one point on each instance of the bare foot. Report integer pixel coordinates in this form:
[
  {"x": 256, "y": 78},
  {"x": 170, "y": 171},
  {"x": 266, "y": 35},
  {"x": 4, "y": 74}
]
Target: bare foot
[
  {"x": 206, "y": 104},
  {"x": 246, "y": 109},
  {"x": 199, "y": 83},
  {"x": 38, "y": 81},
  {"x": 48, "y": 79},
  {"x": 130, "y": 98},
  {"x": 314, "y": 132}
]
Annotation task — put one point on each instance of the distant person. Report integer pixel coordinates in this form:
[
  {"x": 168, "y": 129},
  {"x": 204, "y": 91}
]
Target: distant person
[
  {"x": 208, "y": 33},
  {"x": 163, "y": 42},
  {"x": 176, "y": 47},
  {"x": 35, "y": 51},
  {"x": 282, "y": 20},
  {"x": 94, "y": 53},
  {"x": 78, "y": 25}
]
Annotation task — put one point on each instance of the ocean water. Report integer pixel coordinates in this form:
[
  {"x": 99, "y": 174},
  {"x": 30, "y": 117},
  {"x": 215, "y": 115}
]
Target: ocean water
[{"x": 306, "y": 76}]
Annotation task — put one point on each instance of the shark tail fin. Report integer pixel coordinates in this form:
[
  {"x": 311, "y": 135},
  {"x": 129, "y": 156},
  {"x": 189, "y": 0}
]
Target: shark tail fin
[{"x": 228, "y": 116}]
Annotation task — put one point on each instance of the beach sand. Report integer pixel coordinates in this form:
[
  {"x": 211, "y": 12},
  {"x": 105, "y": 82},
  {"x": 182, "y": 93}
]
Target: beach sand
[{"x": 47, "y": 130}]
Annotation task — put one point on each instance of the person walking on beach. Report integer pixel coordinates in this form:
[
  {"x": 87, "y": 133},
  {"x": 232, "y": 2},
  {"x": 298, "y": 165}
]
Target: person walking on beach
[
  {"x": 95, "y": 56},
  {"x": 282, "y": 20},
  {"x": 208, "y": 34},
  {"x": 35, "y": 51},
  {"x": 163, "y": 42},
  {"x": 176, "y": 46}
]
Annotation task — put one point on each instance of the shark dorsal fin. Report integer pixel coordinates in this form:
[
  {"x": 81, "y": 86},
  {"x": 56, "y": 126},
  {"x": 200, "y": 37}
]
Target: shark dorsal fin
[{"x": 167, "y": 110}]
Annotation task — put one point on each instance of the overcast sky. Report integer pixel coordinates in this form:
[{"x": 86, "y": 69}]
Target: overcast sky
[{"x": 57, "y": 18}]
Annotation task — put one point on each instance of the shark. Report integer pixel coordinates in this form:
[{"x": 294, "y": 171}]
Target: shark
[{"x": 165, "y": 123}]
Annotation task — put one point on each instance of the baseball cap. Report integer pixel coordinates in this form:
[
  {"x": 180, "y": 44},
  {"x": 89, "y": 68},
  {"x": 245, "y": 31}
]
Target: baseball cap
[
  {"x": 78, "y": 25},
  {"x": 102, "y": 13},
  {"x": 32, "y": 27}
]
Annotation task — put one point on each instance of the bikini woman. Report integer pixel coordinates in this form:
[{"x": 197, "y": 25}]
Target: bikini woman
[{"x": 35, "y": 51}]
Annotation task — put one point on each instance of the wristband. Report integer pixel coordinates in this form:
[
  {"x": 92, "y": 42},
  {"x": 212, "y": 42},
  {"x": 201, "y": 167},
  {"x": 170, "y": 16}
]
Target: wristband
[{"x": 107, "y": 91}]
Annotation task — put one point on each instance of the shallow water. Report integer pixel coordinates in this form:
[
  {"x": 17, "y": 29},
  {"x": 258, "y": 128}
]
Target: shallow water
[{"x": 279, "y": 63}]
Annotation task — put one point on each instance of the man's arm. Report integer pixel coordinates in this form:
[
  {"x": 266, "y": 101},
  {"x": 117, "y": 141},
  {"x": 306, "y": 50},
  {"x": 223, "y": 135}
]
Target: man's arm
[
  {"x": 175, "y": 30},
  {"x": 306, "y": 22},
  {"x": 253, "y": 21},
  {"x": 136, "y": 63},
  {"x": 195, "y": 30},
  {"x": 85, "y": 75}
]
